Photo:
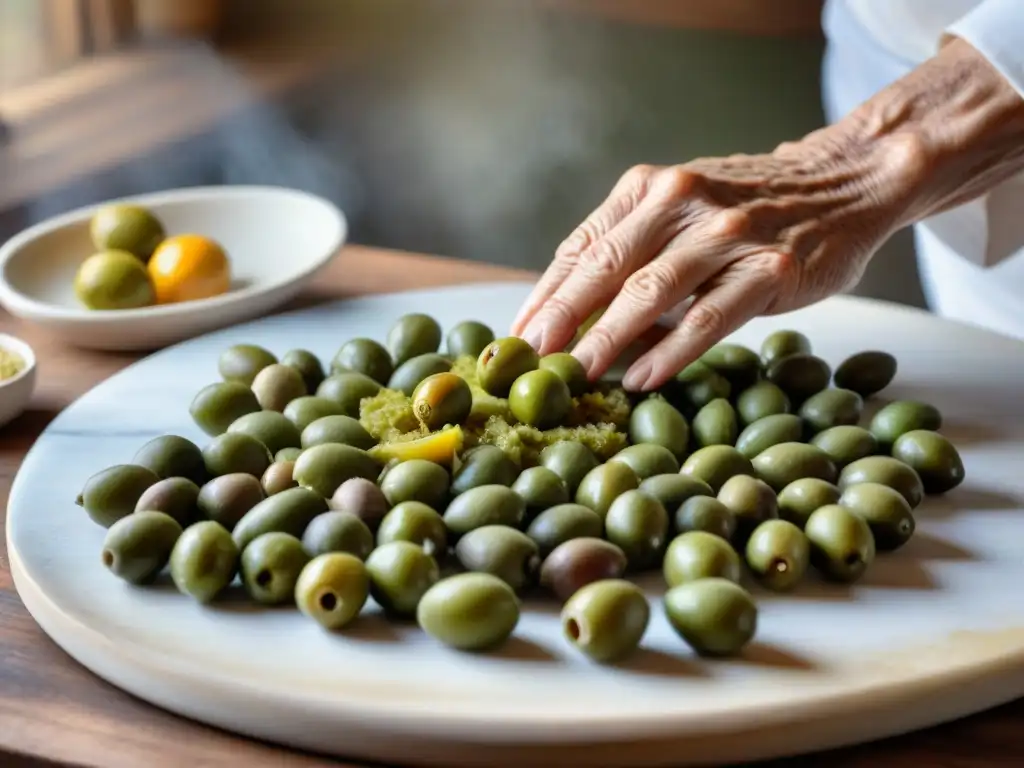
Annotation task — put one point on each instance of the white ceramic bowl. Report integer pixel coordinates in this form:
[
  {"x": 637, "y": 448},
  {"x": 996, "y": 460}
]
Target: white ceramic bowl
[
  {"x": 277, "y": 240},
  {"x": 16, "y": 391}
]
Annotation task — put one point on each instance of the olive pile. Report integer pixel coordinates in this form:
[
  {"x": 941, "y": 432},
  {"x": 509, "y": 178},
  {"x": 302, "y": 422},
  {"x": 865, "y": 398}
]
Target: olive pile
[{"x": 747, "y": 466}]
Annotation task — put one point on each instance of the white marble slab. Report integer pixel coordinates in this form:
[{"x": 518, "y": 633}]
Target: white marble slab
[{"x": 935, "y": 631}]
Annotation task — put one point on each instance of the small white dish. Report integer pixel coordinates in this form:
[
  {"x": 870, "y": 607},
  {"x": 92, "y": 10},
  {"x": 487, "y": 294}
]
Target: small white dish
[
  {"x": 16, "y": 392},
  {"x": 277, "y": 240}
]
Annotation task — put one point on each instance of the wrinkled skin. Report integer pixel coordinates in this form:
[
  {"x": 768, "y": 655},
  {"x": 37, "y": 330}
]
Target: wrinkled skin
[{"x": 712, "y": 243}]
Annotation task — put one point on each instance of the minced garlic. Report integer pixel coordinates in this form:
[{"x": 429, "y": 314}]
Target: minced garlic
[{"x": 11, "y": 364}]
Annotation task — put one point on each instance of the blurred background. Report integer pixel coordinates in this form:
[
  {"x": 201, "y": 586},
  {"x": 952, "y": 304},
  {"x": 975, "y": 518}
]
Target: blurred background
[{"x": 479, "y": 129}]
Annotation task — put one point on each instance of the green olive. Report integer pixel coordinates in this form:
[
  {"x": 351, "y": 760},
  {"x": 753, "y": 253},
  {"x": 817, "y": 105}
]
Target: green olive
[
  {"x": 137, "y": 547},
  {"x": 176, "y": 497},
  {"x": 270, "y": 567},
  {"x": 751, "y": 501},
  {"x": 740, "y": 365},
  {"x": 242, "y": 362},
  {"x": 778, "y": 428},
  {"x": 469, "y": 611},
  {"x": 113, "y": 280},
  {"x": 715, "y": 424},
  {"x": 126, "y": 227},
  {"x": 655, "y": 421},
  {"x": 416, "y": 480},
  {"x": 172, "y": 456},
  {"x": 308, "y": 365},
  {"x": 280, "y": 476},
  {"x": 290, "y": 511},
  {"x": 800, "y": 376},
  {"x": 484, "y": 505},
  {"x": 442, "y": 399},
  {"x": 783, "y": 463},
  {"x": 412, "y": 372},
  {"x": 716, "y": 617},
  {"x": 570, "y": 460},
  {"x": 364, "y": 356},
  {"x": 568, "y": 369},
  {"x": 540, "y": 489},
  {"x": 236, "y": 452},
  {"x": 483, "y": 465},
  {"x": 831, "y": 408},
  {"x": 716, "y": 464},
  {"x": 846, "y": 444},
  {"x": 342, "y": 430},
  {"x": 332, "y": 589},
  {"x": 540, "y": 399},
  {"x": 648, "y": 460},
  {"x": 605, "y": 483},
  {"x": 288, "y": 454},
  {"x": 502, "y": 362},
  {"x": 303, "y": 411},
  {"x": 606, "y": 619},
  {"x": 700, "y": 555},
  {"x": 562, "y": 523},
  {"x": 778, "y": 554},
  {"x": 227, "y": 498},
  {"x": 760, "y": 400},
  {"x": 934, "y": 458},
  {"x": 886, "y": 512},
  {"x": 347, "y": 391},
  {"x": 323, "y": 468},
  {"x": 204, "y": 561},
  {"x": 866, "y": 373},
  {"x": 580, "y": 561},
  {"x": 885, "y": 470},
  {"x": 363, "y": 498},
  {"x": 400, "y": 573},
  {"x": 271, "y": 428},
  {"x": 782, "y": 344},
  {"x": 468, "y": 338},
  {"x": 842, "y": 545},
  {"x": 705, "y": 513},
  {"x": 697, "y": 385},
  {"x": 413, "y": 335},
  {"x": 638, "y": 524},
  {"x": 501, "y": 551},
  {"x": 902, "y": 416},
  {"x": 415, "y": 522},
  {"x": 217, "y": 406},
  {"x": 337, "y": 531},
  {"x": 277, "y": 385},
  {"x": 798, "y": 500},
  {"x": 673, "y": 489}
]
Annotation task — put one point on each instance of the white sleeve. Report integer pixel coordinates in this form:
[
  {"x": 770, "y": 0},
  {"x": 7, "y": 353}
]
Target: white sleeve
[
  {"x": 989, "y": 230},
  {"x": 996, "y": 29}
]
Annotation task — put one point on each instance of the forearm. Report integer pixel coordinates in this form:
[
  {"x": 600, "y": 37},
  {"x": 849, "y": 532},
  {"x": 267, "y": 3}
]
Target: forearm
[{"x": 947, "y": 133}]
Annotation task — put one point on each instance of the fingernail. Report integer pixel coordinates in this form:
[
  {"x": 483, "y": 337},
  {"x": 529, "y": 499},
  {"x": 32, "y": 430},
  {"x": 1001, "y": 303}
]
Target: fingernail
[
  {"x": 585, "y": 357},
  {"x": 636, "y": 378},
  {"x": 534, "y": 336}
]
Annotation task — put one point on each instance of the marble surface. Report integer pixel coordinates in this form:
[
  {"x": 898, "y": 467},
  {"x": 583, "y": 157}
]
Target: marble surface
[{"x": 933, "y": 632}]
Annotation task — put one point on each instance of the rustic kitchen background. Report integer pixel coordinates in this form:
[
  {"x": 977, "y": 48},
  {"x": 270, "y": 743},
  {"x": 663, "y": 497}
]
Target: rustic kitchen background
[{"x": 481, "y": 129}]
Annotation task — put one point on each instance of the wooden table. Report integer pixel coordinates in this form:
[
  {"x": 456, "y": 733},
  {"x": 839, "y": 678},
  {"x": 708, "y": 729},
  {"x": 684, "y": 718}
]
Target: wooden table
[{"x": 52, "y": 711}]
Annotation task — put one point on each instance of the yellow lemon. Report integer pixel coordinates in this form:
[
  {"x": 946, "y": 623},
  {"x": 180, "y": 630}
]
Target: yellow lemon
[{"x": 189, "y": 267}]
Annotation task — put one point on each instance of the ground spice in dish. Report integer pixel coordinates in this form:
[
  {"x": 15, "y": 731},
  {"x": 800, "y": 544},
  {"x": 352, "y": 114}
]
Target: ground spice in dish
[{"x": 11, "y": 364}]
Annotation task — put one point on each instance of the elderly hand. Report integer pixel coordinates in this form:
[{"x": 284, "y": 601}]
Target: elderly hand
[{"x": 764, "y": 234}]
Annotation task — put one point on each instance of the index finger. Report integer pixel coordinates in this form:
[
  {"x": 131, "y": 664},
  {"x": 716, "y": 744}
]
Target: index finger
[{"x": 621, "y": 201}]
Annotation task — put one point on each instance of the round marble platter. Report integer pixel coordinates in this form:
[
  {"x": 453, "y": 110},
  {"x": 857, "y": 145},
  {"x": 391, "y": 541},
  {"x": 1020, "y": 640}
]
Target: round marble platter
[{"x": 933, "y": 632}]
